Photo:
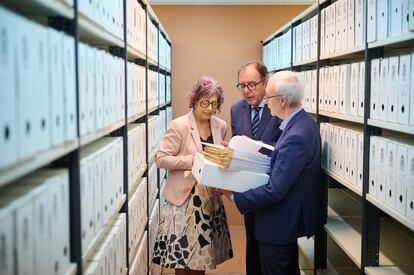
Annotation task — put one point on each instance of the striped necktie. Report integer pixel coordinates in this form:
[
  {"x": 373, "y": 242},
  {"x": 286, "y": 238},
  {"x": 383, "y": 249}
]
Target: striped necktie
[{"x": 255, "y": 121}]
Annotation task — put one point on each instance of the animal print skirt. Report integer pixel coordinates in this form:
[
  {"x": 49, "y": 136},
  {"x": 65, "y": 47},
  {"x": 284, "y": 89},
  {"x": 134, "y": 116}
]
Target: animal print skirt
[{"x": 194, "y": 235}]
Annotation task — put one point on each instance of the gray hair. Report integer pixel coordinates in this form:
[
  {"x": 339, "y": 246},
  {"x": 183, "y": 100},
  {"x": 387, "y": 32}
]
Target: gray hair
[{"x": 290, "y": 85}]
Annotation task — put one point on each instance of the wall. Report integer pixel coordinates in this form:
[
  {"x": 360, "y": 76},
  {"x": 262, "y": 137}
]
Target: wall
[{"x": 215, "y": 41}]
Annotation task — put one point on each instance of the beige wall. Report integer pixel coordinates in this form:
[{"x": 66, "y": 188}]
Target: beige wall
[{"x": 215, "y": 41}]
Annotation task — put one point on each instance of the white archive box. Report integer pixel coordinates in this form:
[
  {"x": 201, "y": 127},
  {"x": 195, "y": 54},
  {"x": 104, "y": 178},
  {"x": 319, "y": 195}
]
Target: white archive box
[
  {"x": 353, "y": 108},
  {"x": 321, "y": 88},
  {"x": 373, "y": 159},
  {"x": 120, "y": 224},
  {"x": 56, "y": 89},
  {"x": 313, "y": 99},
  {"x": 39, "y": 86},
  {"x": 208, "y": 173},
  {"x": 24, "y": 234},
  {"x": 383, "y": 89},
  {"x": 405, "y": 16},
  {"x": 344, "y": 89},
  {"x": 70, "y": 119},
  {"x": 360, "y": 158},
  {"x": 382, "y": 19},
  {"x": 153, "y": 223},
  {"x": 137, "y": 216},
  {"x": 381, "y": 170},
  {"x": 391, "y": 166},
  {"x": 58, "y": 189},
  {"x": 359, "y": 23},
  {"x": 152, "y": 185},
  {"x": 411, "y": 14},
  {"x": 361, "y": 89},
  {"x": 372, "y": 20},
  {"x": 403, "y": 106},
  {"x": 7, "y": 235},
  {"x": 410, "y": 185},
  {"x": 87, "y": 182},
  {"x": 332, "y": 46},
  {"x": 33, "y": 99},
  {"x": 341, "y": 14},
  {"x": 139, "y": 265},
  {"x": 350, "y": 24},
  {"x": 411, "y": 120},
  {"x": 402, "y": 178},
  {"x": 393, "y": 82},
  {"x": 82, "y": 49},
  {"x": 375, "y": 85},
  {"x": 323, "y": 33},
  {"x": 335, "y": 88},
  {"x": 99, "y": 89},
  {"x": 43, "y": 224},
  {"x": 395, "y": 17},
  {"x": 8, "y": 102},
  {"x": 96, "y": 166},
  {"x": 90, "y": 90}
]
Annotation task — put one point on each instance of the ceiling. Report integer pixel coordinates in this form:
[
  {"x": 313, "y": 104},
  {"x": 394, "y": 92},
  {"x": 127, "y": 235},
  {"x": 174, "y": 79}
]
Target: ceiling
[{"x": 230, "y": 2}]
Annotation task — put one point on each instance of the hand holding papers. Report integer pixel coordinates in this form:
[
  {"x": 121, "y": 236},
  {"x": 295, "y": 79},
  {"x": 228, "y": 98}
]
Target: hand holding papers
[{"x": 238, "y": 168}]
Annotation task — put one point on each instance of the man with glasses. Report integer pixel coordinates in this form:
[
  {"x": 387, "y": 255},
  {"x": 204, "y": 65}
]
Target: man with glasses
[
  {"x": 290, "y": 205},
  {"x": 251, "y": 117}
]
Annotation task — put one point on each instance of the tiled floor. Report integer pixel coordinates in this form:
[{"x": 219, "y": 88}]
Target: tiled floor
[{"x": 235, "y": 266}]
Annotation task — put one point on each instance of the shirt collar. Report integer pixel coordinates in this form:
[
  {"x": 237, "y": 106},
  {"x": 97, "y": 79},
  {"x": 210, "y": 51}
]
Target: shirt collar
[
  {"x": 286, "y": 121},
  {"x": 261, "y": 105}
]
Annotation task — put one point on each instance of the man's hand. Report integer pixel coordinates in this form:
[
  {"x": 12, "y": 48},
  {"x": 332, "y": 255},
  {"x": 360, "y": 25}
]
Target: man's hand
[{"x": 227, "y": 193}]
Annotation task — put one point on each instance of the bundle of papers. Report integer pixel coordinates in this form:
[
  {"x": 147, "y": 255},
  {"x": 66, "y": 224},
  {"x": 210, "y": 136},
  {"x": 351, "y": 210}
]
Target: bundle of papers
[
  {"x": 208, "y": 173},
  {"x": 242, "y": 154}
]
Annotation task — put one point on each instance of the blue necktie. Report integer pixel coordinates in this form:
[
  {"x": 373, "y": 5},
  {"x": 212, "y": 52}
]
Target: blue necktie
[{"x": 255, "y": 121}]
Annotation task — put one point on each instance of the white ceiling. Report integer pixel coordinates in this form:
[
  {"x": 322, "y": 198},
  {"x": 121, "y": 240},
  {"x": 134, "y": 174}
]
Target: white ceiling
[{"x": 230, "y": 2}]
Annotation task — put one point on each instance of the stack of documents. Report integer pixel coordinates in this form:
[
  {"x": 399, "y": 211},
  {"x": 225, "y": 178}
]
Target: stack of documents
[{"x": 242, "y": 154}]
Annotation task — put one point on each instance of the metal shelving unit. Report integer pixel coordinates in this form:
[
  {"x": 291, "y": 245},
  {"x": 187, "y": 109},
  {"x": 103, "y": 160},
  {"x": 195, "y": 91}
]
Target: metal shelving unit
[
  {"x": 59, "y": 15},
  {"x": 362, "y": 237}
]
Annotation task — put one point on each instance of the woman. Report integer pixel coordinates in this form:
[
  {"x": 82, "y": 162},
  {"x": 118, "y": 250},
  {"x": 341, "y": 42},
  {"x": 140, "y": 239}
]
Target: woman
[{"x": 193, "y": 233}]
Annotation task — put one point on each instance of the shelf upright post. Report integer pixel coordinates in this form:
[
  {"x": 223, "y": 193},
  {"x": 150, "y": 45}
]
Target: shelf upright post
[
  {"x": 370, "y": 236},
  {"x": 146, "y": 128},
  {"x": 124, "y": 130},
  {"x": 321, "y": 239},
  {"x": 74, "y": 168}
]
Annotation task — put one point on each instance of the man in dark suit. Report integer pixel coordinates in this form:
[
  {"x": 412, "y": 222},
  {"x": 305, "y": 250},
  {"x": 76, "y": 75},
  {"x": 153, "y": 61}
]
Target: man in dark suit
[
  {"x": 251, "y": 117},
  {"x": 289, "y": 206}
]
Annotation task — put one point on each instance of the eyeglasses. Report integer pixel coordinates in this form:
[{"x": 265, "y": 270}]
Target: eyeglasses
[
  {"x": 251, "y": 86},
  {"x": 205, "y": 103},
  {"x": 267, "y": 97}
]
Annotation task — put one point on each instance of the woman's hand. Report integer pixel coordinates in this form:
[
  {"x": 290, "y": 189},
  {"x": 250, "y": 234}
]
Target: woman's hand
[
  {"x": 224, "y": 143},
  {"x": 215, "y": 192}
]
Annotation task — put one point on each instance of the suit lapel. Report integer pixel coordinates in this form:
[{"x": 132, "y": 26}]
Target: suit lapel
[
  {"x": 246, "y": 120},
  {"x": 194, "y": 131},
  {"x": 215, "y": 131}
]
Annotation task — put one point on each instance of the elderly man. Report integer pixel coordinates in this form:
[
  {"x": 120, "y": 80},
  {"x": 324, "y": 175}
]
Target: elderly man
[{"x": 290, "y": 205}]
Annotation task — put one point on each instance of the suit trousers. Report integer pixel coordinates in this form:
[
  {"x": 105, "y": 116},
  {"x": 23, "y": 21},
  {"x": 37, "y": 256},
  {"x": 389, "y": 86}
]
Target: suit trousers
[
  {"x": 278, "y": 259},
  {"x": 252, "y": 246}
]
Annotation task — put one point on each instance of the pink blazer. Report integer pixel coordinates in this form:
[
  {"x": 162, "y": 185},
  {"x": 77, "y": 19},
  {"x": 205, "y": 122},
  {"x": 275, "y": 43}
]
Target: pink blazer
[{"x": 180, "y": 143}]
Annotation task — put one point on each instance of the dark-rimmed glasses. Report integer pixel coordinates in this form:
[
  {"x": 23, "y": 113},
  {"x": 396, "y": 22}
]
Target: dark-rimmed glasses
[
  {"x": 205, "y": 103},
  {"x": 251, "y": 86},
  {"x": 267, "y": 97}
]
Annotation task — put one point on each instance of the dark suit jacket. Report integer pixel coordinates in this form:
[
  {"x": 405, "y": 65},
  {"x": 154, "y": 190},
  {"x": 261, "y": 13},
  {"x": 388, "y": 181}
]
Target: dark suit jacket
[
  {"x": 290, "y": 204},
  {"x": 268, "y": 130}
]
